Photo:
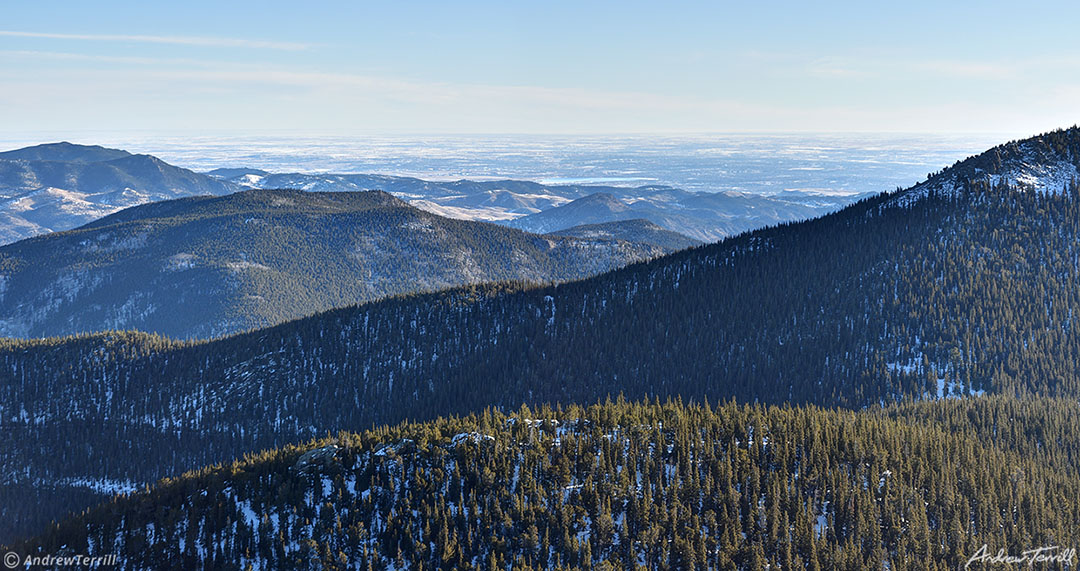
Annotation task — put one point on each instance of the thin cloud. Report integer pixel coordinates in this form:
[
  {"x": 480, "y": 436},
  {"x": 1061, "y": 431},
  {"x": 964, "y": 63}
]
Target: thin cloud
[
  {"x": 174, "y": 40},
  {"x": 968, "y": 69},
  {"x": 836, "y": 68},
  {"x": 133, "y": 60},
  {"x": 451, "y": 94}
]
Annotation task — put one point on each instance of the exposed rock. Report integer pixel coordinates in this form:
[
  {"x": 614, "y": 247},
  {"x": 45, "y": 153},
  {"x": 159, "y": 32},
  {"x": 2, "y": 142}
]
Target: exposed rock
[
  {"x": 473, "y": 437},
  {"x": 318, "y": 458}
]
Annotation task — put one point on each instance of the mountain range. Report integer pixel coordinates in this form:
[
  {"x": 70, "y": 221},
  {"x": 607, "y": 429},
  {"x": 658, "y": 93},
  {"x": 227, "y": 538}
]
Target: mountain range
[
  {"x": 540, "y": 208},
  {"x": 706, "y": 217},
  {"x": 963, "y": 285},
  {"x": 207, "y": 266},
  {"x": 60, "y": 186}
]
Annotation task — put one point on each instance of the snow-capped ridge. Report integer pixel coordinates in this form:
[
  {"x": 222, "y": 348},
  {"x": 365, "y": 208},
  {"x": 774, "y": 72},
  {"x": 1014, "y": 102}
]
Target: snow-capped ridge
[{"x": 1046, "y": 163}]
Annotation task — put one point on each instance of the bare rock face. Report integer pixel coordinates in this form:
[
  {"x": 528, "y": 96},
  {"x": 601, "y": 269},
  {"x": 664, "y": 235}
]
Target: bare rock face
[{"x": 317, "y": 459}]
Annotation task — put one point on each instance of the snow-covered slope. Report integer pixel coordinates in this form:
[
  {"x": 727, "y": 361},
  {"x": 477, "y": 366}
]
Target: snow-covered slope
[
  {"x": 1047, "y": 163},
  {"x": 55, "y": 187}
]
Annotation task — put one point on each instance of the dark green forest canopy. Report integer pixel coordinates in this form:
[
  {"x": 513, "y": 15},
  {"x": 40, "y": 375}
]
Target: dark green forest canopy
[{"x": 617, "y": 486}]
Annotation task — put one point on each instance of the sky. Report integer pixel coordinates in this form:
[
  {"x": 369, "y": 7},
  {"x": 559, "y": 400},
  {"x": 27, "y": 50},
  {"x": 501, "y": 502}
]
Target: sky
[{"x": 538, "y": 67}]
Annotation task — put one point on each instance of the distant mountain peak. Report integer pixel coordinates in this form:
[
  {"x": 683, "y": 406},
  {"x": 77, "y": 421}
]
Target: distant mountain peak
[
  {"x": 65, "y": 152},
  {"x": 139, "y": 159},
  {"x": 600, "y": 197},
  {"x": 235, "y": 172},
  {"x": 85, "y": 183},
  {"x": 604, "y": 200}
]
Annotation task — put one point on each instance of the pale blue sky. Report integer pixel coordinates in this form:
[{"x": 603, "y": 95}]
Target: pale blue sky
[{"x": 538, "y": 67}]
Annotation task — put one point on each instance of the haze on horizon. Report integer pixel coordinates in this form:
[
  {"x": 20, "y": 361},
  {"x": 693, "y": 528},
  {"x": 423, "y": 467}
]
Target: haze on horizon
[{"x": 562, "y": 67}]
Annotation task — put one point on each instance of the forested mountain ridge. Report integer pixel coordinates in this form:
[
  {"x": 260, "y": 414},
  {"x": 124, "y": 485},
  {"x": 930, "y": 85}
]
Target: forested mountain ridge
[
  {"x": 918, "y": 294},
  {"x": 635, "y": 230},
  {"x": 1047, "y": 163},
  {"x": 64, "y": 152},
  {"x": 209, "y": 266},
  {"x": 617, "y": 486}
]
